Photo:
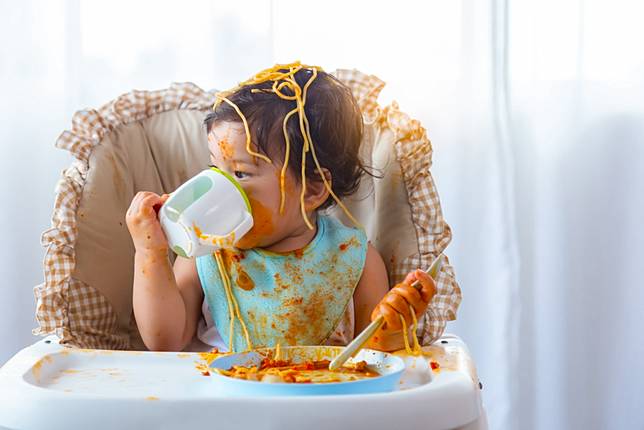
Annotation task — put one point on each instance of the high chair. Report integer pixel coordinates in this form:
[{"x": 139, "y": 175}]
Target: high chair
[{"x": 93, "y": 371}]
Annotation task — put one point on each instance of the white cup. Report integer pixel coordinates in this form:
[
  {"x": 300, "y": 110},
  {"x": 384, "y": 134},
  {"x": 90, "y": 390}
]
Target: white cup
[{"x": 208, "y": 212}]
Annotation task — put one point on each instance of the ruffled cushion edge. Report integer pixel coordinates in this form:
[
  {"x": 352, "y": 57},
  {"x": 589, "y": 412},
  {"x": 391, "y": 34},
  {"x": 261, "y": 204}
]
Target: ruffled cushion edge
[
  {"x": 413, "y": 151},
  {"x": 69, "y": 308}
]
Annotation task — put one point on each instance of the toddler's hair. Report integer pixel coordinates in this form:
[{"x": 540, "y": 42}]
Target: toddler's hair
[{"x": 335, "y": 125}]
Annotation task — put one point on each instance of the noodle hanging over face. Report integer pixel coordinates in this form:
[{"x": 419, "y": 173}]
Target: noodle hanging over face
[{"x": 283, "y": 78}]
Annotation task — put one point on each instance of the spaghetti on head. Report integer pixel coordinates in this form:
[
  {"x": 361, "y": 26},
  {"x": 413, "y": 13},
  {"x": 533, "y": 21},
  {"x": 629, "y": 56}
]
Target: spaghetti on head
[{"x": 305, "y": 118}]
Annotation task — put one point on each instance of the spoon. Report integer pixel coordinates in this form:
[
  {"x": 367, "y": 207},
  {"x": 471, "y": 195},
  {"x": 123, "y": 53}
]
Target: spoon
[{"x": 361, "y": 340}]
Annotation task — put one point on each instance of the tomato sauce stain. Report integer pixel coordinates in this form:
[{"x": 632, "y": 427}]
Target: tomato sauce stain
[
  {"x": 226, "y": 149},
  {"x": 243, "y": 280},
  {"x": 262, "y": 225}
]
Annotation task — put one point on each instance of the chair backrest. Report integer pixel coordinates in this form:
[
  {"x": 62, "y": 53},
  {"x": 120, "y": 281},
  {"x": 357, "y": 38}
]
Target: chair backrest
[{"x": 155, "y": 140}]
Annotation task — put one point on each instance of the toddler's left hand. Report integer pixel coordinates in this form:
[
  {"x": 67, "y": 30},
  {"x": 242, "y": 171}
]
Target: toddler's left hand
[{"x": 398, "y": 300}]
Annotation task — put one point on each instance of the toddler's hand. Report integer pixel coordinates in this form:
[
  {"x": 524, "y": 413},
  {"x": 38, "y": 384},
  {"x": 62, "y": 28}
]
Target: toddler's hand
[
  {"x": 398, "y": 300},
  {"x": 143, "y": 223}
]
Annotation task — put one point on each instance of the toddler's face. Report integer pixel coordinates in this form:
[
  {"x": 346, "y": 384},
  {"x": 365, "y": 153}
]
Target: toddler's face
[{"x": 260, "y": 181}]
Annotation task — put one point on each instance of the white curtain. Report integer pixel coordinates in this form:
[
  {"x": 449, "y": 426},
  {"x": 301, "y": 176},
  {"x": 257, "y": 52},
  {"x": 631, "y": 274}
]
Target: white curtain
[
  {"x": 58, "y": 57},
  {"x": 536, "y": 113}
]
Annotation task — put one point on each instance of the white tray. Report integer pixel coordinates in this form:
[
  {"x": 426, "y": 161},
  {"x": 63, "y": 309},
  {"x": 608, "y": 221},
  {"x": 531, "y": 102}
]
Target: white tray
[{"x": 49, "y": 386}]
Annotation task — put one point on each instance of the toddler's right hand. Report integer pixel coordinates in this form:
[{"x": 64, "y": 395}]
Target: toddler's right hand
[
  {"x": 403, "y": 299},
  {"x": 143, "y": 223}
]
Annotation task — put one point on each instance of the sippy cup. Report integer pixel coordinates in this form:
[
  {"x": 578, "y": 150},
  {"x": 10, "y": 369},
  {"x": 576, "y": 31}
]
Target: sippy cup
[{"x": 208, "y": 212}]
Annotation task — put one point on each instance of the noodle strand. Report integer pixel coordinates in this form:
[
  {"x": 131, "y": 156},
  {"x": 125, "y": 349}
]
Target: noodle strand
[
  {"x": 283, "y": 78},
  {"x": 233, "y": 306}
]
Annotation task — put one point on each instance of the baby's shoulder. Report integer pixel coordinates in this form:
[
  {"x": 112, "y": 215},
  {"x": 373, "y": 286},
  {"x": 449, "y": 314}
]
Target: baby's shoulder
[{"x": 336, "y": 234}]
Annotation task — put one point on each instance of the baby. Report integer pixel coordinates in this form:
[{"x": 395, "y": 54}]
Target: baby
[{"x": 291, "y": 137}]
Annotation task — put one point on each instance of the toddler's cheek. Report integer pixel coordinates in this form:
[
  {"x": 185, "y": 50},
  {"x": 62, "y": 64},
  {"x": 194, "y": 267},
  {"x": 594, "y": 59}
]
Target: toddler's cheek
[{"x": 263, "y": 226}]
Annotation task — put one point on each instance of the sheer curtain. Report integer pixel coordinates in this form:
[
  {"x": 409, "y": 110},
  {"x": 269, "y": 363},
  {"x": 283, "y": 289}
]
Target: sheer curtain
[
  {"x": 577, "y": 105},
  {"x": 58, "y": 57},
  {"x": 536, "y": 113}
]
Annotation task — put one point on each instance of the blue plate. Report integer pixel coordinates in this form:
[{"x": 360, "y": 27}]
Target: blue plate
[{"x": 388, "y": 366}]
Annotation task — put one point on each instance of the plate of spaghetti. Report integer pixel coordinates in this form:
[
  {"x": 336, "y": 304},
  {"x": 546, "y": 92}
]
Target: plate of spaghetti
[{"x": 304, "y": 370}]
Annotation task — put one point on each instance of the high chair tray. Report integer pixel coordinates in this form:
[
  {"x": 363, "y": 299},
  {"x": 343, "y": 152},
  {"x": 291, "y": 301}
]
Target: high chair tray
[{"x": 49, "y": 386}]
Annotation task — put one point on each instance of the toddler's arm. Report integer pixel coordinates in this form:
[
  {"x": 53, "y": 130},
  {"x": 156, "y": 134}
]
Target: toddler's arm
[
  {"x": 166, "y": 303},
  {"x": 370, "y": 296},
  {"x": 371, "y": 288},
  {"x": 373, "y": 298}
]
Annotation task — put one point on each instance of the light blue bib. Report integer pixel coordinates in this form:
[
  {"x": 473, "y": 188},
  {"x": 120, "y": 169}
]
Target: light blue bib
[{"x": 295, "y": 298}]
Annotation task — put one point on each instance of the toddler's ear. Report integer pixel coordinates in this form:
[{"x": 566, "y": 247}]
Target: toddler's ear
[{"x": 317, "y": 192}]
